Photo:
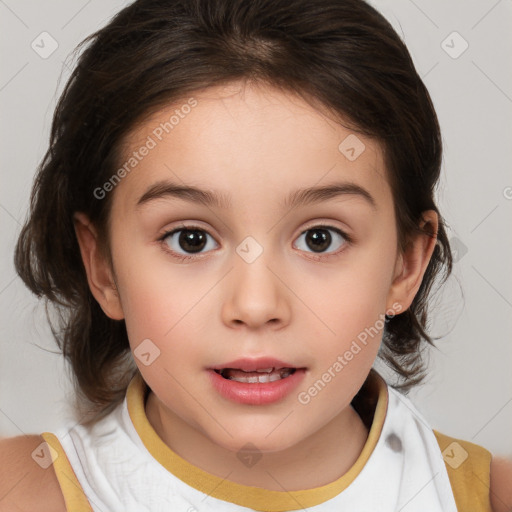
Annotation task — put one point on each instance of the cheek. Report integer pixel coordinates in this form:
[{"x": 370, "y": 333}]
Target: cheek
[
  {"x": 348, "y": 337},
  {"x": 157, "y": 307},
  {"x": 350, "y": 307},
  {"x": 355, "y": 297},
  {"x": 167, "y": 305}
]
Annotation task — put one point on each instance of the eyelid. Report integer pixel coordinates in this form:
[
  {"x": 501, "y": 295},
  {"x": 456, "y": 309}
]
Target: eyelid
[
  {"x": 327, "y": 225},
  {"x": 183, "y": 225}
]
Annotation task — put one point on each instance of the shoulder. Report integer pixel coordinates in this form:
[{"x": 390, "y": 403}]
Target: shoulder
[
  {"x": 501, "y": 484},
  {"x": 27, "y": 477}
]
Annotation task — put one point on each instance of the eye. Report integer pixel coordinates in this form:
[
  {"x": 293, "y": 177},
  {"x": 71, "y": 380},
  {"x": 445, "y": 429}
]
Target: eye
[
  {"x": 189, "y": 239},
  {"x": 319, "y": 238}
]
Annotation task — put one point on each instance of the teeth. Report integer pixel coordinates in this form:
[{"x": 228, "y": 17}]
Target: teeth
[
  {"x": 271, "y": 376},
  {"x": 261, "y": 378}
]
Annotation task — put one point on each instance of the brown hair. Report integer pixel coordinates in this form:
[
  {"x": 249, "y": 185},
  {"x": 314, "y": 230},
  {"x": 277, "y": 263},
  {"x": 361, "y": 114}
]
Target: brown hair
[{"x": 341, "y": 54}]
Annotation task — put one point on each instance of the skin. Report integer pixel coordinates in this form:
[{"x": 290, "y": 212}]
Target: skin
[{"x": 255, "y": 144}]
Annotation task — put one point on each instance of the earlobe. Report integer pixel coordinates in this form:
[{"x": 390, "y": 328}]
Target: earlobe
[
  {"x": 413, "y": 261},
  {"x": 99, "y": 274}
]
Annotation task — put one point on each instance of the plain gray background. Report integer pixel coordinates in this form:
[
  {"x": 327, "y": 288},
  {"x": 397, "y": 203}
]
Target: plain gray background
[{"x": 468, "y": 393}]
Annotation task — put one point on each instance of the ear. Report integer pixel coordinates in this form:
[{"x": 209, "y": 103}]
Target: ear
[
  {"x": 99, "y": 274},
  {"x": 412, "y": 263}
]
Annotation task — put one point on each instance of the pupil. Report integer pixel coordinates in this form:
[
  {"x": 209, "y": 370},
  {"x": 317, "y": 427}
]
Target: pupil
[
  {"x": 192, "y": 240},
  {"x": 318, "y": 239}
]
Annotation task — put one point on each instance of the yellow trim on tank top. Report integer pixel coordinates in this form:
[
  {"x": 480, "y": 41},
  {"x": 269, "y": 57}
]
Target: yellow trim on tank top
[
  {"x": 246, "y": 496},
  {"x": 74, "y": 496},
  {"x": 469, "y": 468}
]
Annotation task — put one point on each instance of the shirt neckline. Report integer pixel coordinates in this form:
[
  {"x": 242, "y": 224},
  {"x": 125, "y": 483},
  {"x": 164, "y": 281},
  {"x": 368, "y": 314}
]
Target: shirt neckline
[{"x": 371, "y": 402}]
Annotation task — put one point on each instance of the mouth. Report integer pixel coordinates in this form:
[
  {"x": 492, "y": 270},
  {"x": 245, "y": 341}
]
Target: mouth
[
  {"x": 256, "y": 381},
  {"x": 258, "y": 376}
]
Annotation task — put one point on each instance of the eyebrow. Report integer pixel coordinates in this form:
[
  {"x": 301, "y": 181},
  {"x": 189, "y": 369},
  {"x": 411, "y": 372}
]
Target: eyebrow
[{"x": 299, "y": 197}]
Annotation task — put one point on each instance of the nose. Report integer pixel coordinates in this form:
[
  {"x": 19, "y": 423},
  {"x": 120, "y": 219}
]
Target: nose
[{"x": 256, "y": 294}]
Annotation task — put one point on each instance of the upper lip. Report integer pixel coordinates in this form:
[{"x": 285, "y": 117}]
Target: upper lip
[{"x": 252, "y": 365}]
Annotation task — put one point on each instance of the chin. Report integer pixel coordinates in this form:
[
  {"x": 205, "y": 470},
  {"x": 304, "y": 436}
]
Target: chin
[{"x": 258, "y": 442}]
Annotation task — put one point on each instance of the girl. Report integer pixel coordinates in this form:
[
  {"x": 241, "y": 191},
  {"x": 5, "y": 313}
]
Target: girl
[{"x": 234, "y": 219}]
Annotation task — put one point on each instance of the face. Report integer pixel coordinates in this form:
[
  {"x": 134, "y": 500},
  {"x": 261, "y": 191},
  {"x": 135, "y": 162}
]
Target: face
[{"x": 259, "y": 274}]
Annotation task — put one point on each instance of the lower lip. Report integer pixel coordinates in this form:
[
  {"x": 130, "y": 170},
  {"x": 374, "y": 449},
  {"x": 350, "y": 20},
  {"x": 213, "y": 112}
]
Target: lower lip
[{"x": 257, "y": 393}]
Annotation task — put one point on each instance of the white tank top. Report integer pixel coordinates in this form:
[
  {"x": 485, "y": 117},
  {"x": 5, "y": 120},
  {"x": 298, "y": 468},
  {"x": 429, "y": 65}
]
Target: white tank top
[{"x": 120, "y": 464}]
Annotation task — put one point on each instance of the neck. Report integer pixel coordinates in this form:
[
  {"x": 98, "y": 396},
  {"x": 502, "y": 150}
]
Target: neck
[{"x": 330, "y": 452}]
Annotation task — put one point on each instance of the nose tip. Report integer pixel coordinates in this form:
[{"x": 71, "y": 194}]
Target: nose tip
[{"x": 255, "y": 297}]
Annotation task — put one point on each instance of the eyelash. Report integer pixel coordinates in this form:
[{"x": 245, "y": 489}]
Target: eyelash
[{"x": 348, "y": 240}]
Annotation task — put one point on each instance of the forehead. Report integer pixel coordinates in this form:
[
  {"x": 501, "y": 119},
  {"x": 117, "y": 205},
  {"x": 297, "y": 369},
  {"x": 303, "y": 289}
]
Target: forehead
[{"x": 247, "y": 142}]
